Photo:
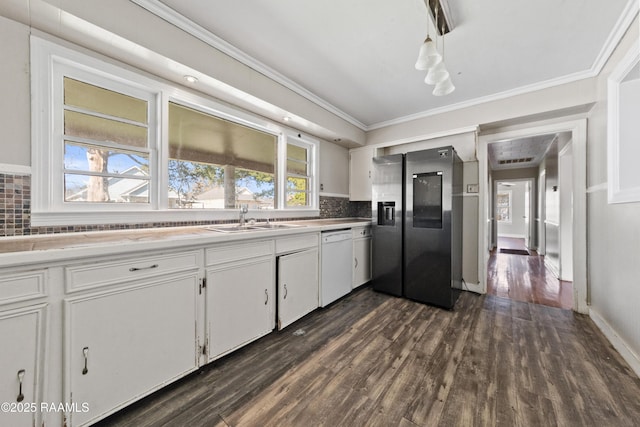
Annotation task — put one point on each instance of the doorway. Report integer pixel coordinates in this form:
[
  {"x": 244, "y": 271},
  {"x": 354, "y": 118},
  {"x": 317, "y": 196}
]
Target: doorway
[
  {"x": 514, "y": 202},
  {"x": 545, "y": 234}
]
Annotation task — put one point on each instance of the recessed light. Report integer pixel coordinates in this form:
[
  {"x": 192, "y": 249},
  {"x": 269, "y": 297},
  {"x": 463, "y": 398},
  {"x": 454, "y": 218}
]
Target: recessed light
[
  {"x": 191, "y": 79},
  {"x": 286, "y": 118}
]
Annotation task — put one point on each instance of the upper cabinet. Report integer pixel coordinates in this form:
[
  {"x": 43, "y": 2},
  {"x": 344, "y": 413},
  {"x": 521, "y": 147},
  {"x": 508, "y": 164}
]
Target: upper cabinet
[{"x": 360, "y": 174}]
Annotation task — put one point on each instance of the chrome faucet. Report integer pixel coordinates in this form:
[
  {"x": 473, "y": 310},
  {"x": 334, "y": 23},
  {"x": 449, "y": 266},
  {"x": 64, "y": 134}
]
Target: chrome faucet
[{"x": 243, "y": 211}]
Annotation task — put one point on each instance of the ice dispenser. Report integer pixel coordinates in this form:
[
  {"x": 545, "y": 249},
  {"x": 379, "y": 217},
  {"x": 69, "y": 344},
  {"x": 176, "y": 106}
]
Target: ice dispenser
[{"x": 387, "y": 213}]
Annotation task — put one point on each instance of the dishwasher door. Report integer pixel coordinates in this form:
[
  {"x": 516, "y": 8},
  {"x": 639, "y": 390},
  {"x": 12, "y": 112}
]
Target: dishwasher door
[{"x": 337, "y": 262}]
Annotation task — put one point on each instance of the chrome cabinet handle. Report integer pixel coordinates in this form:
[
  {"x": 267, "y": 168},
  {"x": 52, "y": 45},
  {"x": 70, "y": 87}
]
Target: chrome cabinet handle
[
  {"x": 356, "y": 260},
  {"x": 285, "y": 292},
  {"x": 144, "y": 268},
  {"x": 266, "y": 297},
  {"x": 85, "y": 352},
  {"x": 20, "y": 378}
]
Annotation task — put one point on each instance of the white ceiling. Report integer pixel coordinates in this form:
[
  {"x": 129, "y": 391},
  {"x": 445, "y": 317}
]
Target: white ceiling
[
  {"x": 519, "y": 153},
  {"x": 357, "y": 56}
]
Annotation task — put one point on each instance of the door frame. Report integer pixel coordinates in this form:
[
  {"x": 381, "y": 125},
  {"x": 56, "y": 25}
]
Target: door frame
[
  {"x": 578, "y": 129},
  {"x": 532, "y": 204}
]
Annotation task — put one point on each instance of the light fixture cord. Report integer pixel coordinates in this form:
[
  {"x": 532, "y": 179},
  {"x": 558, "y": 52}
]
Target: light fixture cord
[
  {"x": 436, "y": 24},
  {"x": 443, "y": 42}
]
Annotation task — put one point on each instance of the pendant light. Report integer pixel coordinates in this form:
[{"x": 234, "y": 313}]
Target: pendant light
[
  {"x": 444, "y": 88},
  {"x": 428, "y": 55},
  {"x": 440, "y": 77}
]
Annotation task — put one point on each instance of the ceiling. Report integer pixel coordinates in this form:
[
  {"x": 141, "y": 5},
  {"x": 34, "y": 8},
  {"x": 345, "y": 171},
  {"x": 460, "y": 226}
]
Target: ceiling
[
  {"x": 519, "y": 153},
  {"x": 356, "y": 58}
]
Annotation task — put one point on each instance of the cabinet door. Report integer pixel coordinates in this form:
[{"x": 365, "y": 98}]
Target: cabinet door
[
  {"x": 240, "y": 304},
  {"x": 361, "y": 261},
  {"x": 20, "y": 332},
  {"x": 297, "y": 286},
  {"x": 360, "y": 169},
  {"x": 126, "y": 343}
]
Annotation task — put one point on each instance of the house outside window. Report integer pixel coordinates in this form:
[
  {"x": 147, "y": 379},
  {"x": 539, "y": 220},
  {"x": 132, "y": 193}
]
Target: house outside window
[{"x": 123, "y": 143}]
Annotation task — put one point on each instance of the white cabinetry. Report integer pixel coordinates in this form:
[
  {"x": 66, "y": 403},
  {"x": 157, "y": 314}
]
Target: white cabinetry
[
  {"x": 298, "y": 277},
  {"x": 360, "y": 170},
  {"x": 240, "y": 295},
  {"x": 297, "y": 286},
  {"x": 22, "y": 337},
  {"x": 361, "y": 255},
  {"x": 133, "y": 334}
]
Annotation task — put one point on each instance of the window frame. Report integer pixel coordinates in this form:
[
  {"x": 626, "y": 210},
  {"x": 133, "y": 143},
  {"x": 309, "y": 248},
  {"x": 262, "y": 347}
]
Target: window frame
[
  {"x": 510, "y": 206},
  {"x": 51, "y": 62},
  {"x": 299, "y": 141}
]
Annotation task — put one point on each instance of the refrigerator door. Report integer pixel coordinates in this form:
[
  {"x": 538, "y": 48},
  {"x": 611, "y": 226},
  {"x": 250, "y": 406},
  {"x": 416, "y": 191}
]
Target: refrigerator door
[
  {"x": 388, "y": 218},
  {"x": 428, "y": 263}
]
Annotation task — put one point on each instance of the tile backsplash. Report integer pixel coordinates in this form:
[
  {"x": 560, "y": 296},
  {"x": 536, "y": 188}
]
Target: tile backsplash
[{"x": 15, "y": 211}]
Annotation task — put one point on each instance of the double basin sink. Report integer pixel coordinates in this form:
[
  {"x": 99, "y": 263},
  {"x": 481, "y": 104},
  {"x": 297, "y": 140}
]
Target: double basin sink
[{"x": 236, "y": 228}]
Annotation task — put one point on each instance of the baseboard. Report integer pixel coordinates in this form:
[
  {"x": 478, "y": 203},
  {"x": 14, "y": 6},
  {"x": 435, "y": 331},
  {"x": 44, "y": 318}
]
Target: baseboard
[
  {"x": 551, "y": 266},
  {"x": 473, "y": 287},
  {"x": 618, "y": 343}
]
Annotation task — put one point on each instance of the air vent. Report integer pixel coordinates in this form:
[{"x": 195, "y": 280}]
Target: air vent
[{"x": 512, "y": 161}]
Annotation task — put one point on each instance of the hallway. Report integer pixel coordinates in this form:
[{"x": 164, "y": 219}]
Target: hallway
[{"x": 525, "y": 277}]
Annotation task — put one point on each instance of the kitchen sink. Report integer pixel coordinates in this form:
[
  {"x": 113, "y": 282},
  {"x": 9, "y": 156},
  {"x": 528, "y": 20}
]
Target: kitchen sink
[
  {"x": 275, "y": 226},
  {"x": 236, "y": 228}
]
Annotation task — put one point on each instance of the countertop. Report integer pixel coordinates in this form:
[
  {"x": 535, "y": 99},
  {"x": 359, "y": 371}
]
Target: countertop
[{"x": 15, "y": 251}]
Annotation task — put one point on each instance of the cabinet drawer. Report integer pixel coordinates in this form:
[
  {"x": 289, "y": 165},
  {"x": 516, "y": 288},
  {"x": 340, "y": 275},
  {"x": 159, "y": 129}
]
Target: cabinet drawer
[
  {"x": 87, "y": 276},
  {"x": 290, "y": 244},
  {"x": 360, "y": 232},
  {"x": 228, "y": 253},
  {"x": 22, "y": 286}
]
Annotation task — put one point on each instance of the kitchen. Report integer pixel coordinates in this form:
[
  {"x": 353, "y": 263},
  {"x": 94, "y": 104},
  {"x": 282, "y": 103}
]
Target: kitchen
[{"x": 158, "y": 52}]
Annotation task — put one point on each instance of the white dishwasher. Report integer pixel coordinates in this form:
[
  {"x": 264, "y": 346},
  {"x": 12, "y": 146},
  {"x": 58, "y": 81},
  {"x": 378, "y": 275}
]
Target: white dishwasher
[{"x": 337, "y": 260}]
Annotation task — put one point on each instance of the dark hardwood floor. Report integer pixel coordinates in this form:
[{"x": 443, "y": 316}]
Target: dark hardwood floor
[
  {"x": 375, "y": 360},
  {"x": 525, "y": 278}
]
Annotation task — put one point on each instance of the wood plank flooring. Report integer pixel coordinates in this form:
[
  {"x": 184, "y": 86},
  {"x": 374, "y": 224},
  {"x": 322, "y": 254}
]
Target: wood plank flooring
[
  {"x": 526, "y": 278},
  {"x": 376, "y": 360}
]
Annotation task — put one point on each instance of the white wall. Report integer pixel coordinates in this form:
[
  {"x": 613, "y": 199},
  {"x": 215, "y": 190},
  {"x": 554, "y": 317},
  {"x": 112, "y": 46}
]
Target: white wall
[
  {"x": 613, "y": 233},
  {"x": 15, "y": 108},
  {"x": 542, "y": 101}
]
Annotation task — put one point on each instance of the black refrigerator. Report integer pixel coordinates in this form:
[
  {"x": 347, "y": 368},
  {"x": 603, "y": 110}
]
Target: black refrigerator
[{"x": 417, "y": 225}]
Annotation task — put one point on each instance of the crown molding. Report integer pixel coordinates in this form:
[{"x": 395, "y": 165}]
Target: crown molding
[
  {"x": 174, "y": 18},
  {"x": 171, "y": 16},
  {"x": 624, "y": 22}
]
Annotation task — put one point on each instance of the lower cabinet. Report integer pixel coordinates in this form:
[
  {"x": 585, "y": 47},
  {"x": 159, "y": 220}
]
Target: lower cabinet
[
  {"x": 297, "y": 285},
  {"x": 22, "y": 337},
  {"x": 20, "y": 361},
  {"x": 240, "y": 296},
  {"x": 361, "y": 256},
  {"x": 124, "y": 343}
]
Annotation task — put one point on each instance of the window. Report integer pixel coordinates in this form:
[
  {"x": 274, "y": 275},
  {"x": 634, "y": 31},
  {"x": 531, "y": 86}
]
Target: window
[
  {"x": 123, "y": 143},
  {"x": 106, "y": 145},
  {"x": 503, "y": 206},
  {"x": 298, "y": 175},
  {"x": 215, "y": 163}
]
